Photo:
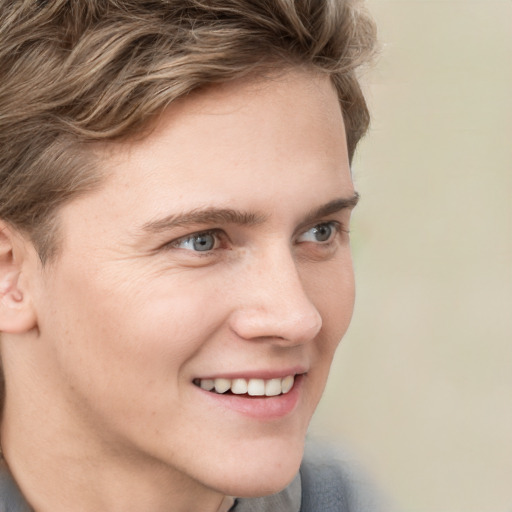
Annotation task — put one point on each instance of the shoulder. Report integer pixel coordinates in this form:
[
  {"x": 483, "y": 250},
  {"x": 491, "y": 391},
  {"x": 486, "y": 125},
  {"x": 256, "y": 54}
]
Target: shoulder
[{"x": 331, "y": 482}]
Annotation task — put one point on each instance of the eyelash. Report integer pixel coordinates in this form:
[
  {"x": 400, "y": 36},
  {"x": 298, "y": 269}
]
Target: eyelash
[{"x": 221, "y": 237}]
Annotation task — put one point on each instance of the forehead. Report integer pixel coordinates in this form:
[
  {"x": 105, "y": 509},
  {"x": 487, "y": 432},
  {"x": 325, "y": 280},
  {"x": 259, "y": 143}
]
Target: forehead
[
  {"x": 254, "y": 119},
  {"x": 252, "y": 145}
]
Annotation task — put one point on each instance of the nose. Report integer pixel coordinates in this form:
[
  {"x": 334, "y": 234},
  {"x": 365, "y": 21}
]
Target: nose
[{"x": 273, "y": 304}]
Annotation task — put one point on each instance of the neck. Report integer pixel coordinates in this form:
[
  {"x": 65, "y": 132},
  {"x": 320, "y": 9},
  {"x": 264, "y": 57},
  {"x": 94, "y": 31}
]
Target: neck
[{"x": 57, "y": 471}]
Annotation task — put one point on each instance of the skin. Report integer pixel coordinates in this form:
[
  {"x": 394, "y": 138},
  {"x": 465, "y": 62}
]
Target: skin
[{"x": 101, "y": 348}]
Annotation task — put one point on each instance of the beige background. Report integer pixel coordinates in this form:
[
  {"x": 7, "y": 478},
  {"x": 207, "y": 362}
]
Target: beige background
[{"x": 422, "y": 386}]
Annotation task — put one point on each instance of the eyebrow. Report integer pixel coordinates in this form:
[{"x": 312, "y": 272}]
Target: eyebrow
[
  {"x": 337, "y": 205},
  {"x": 213, "y": 215},
  {"x": 204, "y": 216}
]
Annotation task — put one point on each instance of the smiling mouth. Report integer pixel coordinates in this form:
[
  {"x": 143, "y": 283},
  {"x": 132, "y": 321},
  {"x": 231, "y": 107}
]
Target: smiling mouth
[{"x": 251, "y": 387}]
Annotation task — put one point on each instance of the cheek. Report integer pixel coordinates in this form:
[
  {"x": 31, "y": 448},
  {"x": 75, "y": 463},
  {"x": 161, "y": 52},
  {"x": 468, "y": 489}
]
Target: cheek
[
  {"x": 121, "y": 353},
  {"x": 340, "y": 308},
  {"x": 332, "y": 291},
  {"x": 334, "y": 299}
]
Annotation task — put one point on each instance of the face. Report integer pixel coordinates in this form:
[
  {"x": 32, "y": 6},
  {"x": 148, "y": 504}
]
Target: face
[{"x": 215, "y": 255}]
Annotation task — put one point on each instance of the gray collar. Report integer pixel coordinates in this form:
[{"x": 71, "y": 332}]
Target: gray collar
[{"x": 11, "y": 499}]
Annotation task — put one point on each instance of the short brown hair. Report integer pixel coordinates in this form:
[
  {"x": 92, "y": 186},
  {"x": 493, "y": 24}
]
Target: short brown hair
[{"x": 72, "y": 72}]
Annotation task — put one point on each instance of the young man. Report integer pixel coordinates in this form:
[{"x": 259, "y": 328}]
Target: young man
[{"x": 175, "y": 270}]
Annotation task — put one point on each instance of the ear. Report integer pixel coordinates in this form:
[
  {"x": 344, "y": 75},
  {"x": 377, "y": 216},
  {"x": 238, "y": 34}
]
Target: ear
[{"x": 17, "y": 314}]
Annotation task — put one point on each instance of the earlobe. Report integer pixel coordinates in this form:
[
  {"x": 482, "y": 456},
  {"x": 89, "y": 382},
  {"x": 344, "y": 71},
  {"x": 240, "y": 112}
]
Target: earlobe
[{"x": 17, "y": 314}]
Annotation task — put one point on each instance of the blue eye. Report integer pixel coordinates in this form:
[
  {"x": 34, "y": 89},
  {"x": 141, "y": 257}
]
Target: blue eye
[
  {"x": 199, "y": 242},
  {"x": 320, "y": 233}
]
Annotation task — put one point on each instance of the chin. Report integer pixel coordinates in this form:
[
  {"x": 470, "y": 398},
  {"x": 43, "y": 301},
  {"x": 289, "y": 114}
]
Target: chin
[{"x": 266, "y": 470}]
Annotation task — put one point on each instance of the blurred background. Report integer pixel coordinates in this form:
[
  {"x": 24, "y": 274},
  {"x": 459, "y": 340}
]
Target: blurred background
[{"x": 421, "y": 389}]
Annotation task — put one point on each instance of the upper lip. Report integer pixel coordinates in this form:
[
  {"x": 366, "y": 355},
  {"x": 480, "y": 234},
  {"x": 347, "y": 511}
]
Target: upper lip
[{"x": 265, "y": 374}]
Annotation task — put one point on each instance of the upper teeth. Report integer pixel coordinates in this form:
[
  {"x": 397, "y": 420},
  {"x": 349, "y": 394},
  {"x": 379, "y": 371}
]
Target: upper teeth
[{"x": 253, "y": 387}]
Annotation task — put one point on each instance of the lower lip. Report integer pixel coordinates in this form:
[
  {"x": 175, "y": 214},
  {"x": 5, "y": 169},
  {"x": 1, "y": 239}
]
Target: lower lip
[{"x": 261, "y": 408}]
